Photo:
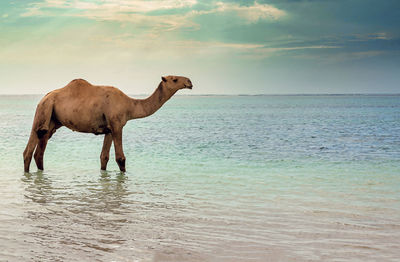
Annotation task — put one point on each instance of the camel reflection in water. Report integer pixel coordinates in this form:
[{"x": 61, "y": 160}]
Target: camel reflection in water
[
  {"x": 68, "y": 218},
  {"x": 107, "y": 194},
  {"x": 38, "y": 188},
  {"x": 109, "y": 216}
]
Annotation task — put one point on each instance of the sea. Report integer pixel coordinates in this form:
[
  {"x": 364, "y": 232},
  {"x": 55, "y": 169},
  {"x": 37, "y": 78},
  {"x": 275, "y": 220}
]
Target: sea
[{"x": 210, "y": 178}]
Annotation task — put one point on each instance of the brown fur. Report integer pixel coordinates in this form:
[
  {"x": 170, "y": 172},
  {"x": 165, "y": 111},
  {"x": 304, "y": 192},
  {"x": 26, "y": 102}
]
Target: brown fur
[{"x": 87, "y": 108}]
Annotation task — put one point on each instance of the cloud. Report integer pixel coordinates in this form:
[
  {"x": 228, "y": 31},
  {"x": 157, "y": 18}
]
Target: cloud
[
  {"x": 159, "y": 44},
  {"x": 372, "y": 36},
  {"x": 5, "y": 16},
  {"x": 265, "y": 52},
  {"x": 252, "y": 13},
  {"x": 352, "y": 56},
  {"x": 139, "y": 12},
  {"x": 160, "y": 47},
  {"x": 125, "y": 11},
  {"x": 250, "y": 51},
  {"x": 34, "y": 11},
  {"x": 117, "y": 5}
]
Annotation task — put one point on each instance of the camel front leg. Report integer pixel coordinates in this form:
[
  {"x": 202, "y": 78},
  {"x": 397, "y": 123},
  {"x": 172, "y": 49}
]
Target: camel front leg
[
  {"x": 119, "y": 153},
  {"x": 105, "y": 152}
]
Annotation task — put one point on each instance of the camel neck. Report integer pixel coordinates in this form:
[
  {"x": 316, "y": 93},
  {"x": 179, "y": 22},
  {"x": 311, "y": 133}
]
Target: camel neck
[{"x": 148, "y": 106}]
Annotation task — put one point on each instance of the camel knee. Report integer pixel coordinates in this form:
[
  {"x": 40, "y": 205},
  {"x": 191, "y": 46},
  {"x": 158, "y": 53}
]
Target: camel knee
[
  {"x": 104, "y": 157},
  {"x": 121, "y": 162},
  {"x": 104, "y": 160}
]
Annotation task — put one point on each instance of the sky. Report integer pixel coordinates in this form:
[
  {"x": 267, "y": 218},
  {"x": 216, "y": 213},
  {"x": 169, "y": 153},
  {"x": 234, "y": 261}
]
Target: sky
[{"x": 224, "y": 47}]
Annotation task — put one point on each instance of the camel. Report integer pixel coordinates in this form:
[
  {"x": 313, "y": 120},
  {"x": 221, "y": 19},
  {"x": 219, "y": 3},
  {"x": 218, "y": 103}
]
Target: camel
[{"x": 87, "y": 108}]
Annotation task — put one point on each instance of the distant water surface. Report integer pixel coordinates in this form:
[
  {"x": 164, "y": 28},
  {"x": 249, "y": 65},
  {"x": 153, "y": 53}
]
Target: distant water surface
[{"x": 213, "y": 178}]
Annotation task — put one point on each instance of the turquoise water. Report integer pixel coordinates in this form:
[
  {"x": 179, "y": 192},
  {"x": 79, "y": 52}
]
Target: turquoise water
[{"x": 224, "y": 178}]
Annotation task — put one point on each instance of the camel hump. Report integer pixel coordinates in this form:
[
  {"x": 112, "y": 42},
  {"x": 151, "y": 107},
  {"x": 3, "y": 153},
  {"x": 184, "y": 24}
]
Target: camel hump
[{"x": 79, "y": 81}]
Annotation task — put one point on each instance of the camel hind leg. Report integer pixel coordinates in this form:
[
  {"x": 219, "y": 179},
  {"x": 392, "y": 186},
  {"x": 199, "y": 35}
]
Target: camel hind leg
[
  {"x": 42, "y": 143},
  {"x": 40, "y": 127},
  {"x": 30, "y": 147},
  {"x": 39, "y": 152}
]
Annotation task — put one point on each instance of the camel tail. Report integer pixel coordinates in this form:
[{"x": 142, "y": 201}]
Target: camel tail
[{"x": 41, "y": 125}]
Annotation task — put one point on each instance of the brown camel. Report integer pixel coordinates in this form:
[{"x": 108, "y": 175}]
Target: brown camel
[{"x": 87, "y": 108}]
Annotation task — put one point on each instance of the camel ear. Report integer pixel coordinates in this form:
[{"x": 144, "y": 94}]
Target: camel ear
[{"x": 163, "y": 79}]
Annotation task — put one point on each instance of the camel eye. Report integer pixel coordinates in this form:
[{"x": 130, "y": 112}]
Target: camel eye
[{"x": 175, "y": 80}]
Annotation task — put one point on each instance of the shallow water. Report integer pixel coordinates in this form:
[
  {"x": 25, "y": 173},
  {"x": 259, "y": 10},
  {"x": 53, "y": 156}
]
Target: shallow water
[{"x": 235, "y": 178}]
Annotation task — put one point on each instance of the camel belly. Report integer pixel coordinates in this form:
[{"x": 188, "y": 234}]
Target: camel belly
[
  {"x": 97, "y": 130},
  {"x": 85, "y": 121}
]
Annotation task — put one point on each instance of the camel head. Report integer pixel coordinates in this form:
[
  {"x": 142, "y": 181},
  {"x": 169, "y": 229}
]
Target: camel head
[{"x": 176, "y": 82}]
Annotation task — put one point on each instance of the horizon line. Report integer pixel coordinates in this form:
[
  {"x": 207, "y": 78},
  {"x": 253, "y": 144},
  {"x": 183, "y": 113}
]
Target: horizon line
[{"x": 244, "y": 94}]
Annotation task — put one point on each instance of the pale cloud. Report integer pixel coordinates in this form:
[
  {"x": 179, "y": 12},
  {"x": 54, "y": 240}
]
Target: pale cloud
[
  {"x": 366, "y": 54},
  {"x": 370, "y": 36},
  {"x": 123, "y": 11},
  {"x": 351, "y": 56},
  {"x": 379, "y": 36},
  {"x": 340, "y": 57},
  {"x": 252, "y": 13},
  {"x": 245, "y": 50},
  {"x": 265, "y": 52},
  {"x": 164, "y": 22},
  {"x": 137, "y": 12},
  {"x": 118, "y": 5},
  {"x": 33, "y": 11},
  {"x": 161, "y": 47},
  {"x": 153, "y": 41},
  {"x": 5, "y": 16},
  {"x": 149, "y": 41},
  {"x": 273, "y": 49},
  {"x": 212, "y": 47}
]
